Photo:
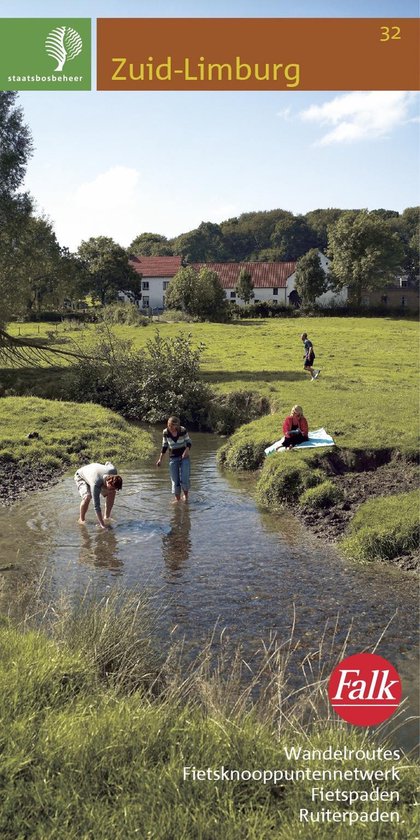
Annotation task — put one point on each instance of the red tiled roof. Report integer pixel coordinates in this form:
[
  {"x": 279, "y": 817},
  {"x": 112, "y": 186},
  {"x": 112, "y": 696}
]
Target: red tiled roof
[
  {"x": 264, "y": 275},
  {"x": 156, "y": 266}
]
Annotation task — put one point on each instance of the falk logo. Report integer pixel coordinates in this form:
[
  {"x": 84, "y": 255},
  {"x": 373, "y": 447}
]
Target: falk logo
[
  {"x": 63, "y": 44},
  {"x": 365, "y": 689}
]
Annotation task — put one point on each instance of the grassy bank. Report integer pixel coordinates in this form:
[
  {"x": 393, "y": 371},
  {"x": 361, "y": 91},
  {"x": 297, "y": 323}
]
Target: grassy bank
[
  {"x": 87, "y": 752},
  {"x": 366, "y": 395},
  {"x": 63, "y": 434},
  {"x": 384, "y": 528}
]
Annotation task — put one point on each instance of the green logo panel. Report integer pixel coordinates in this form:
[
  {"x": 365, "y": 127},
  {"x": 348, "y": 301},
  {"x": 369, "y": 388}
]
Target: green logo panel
[{"x": 45, "y": 54}]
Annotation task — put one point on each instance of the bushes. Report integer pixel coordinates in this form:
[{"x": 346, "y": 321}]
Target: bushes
[
  {"x": 384, "y": 528},
  {"x": 263, "y": 309},
  {"x": 228, "y": 411},
  {"x": 163, "y": 378},
  {"x": 176, "y": 315},
  {"x": 122, "y": 313},
  {"x": 56, "y": 316}
]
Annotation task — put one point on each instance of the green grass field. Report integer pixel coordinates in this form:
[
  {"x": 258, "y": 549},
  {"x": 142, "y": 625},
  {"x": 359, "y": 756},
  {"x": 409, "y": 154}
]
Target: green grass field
[{"x": 366, "y": 395}]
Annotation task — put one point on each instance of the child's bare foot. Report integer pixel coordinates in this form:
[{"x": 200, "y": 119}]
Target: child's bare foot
[{"x": 81, "y": 521}]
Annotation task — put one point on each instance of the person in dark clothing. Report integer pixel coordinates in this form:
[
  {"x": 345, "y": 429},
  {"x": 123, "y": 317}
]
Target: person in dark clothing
[
  {"x": 309, "y": 357},
  {"x": 177, "y": 440}
]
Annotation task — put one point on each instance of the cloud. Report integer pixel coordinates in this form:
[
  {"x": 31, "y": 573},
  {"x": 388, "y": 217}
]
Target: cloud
[
  {"x": 101, "y": 207},
  {"x": 285, "y": 114},
  {"x": 360, "y": 115}
]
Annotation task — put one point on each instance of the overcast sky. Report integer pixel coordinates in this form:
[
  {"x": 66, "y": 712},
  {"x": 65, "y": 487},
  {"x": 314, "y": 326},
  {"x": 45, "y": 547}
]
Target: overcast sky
[{"x": 118, "y": 164}]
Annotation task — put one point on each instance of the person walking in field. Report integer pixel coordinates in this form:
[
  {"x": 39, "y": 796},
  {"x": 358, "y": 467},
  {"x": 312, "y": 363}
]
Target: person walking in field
[
  {"x": 94, "y": 481},
  {"x": 309, "y": 357},
  {"x": 177, "y": 440},
  {"x": 295, "y": 428}
]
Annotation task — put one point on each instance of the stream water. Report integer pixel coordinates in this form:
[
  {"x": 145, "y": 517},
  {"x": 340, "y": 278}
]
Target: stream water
[{"x": 218, "y": 560}]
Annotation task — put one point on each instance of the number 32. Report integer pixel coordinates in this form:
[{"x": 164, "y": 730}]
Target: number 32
[{"x": 390, "y": 33}]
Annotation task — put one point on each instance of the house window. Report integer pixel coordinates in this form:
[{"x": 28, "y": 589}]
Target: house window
[
  {"x": 365, "y": 301},
  {"x": 165, "y": 284},
  {"x": 233, "y": 295},
  {"x": 403, "y": 283},
  {"x": 145, "y": 285},
  {"x": 403, "y": 301},
  {"x": 384, "y": 299},
  {"x": 256, "y": 300},
  {"x": 163, "y": 300},
  {"x": 275, "y": 291},
  {"x": 145, "y": 301}
]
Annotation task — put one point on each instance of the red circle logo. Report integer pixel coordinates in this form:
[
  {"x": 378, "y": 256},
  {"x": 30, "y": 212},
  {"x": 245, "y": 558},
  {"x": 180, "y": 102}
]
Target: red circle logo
[{"x": 365, "y": 689}]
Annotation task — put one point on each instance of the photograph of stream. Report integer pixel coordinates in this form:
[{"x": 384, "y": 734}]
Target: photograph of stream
[{"x": 217, "y": 562}]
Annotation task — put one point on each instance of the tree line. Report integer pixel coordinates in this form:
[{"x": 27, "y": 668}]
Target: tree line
[{"x": 277, "y": 236}]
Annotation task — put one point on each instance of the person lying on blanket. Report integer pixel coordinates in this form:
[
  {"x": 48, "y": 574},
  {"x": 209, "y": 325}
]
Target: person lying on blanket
[{"x": 295, "y": 428}]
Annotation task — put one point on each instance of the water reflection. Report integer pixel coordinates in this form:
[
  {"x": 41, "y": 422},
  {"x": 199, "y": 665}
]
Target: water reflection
[
  {"x": 99, "y": 549},
  {"x": 176, "y": 545}
]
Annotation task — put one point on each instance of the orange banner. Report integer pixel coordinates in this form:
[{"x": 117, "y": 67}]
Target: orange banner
[{"x": 257, "y": 54}]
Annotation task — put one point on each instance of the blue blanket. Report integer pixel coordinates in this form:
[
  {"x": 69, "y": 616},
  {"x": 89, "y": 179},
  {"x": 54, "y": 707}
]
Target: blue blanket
[{"x": 317, "y": 438}]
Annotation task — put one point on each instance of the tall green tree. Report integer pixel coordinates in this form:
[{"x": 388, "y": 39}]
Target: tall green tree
[
  {"x": 365, "y": 253},
  {"x": 108, "y": 269},
  {"x": 38, "y": 265},
  {"x": 245, "y": 287},
  {"x": 197, "y": 292},
  {"x": 294, "y": 237},
  {"x": 246, "y": 236},
  {"x": 15, "y": 207},
  {"x": 310, "y": 280},
  {"x": 150, "y": 245},
  {"x": 319, "y": 222},
  {"x": 407, "y": 226},
  {"x": 205, "y": 244}
]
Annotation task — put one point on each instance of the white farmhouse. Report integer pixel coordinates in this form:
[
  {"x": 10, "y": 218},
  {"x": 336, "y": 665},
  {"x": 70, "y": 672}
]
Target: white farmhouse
[
  {"x": 269, "y": 279},
  {"x": 156, "y": 274},
  {"x": 273, "y": 281}
]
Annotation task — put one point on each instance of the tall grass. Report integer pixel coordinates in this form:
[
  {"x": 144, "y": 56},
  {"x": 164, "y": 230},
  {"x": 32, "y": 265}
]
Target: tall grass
[{"x": 84, "y": 755}]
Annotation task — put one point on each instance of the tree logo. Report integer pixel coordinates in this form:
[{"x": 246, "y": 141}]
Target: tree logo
[{"x": 63, "y": 44}]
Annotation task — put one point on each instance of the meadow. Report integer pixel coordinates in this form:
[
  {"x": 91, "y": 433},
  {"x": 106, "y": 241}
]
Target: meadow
[{"x": 365, "y": 396}]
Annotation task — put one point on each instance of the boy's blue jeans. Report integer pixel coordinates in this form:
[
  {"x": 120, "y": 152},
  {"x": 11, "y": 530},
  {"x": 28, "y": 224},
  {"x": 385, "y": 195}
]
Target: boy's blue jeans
[{"x": 179, "y": 470}]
